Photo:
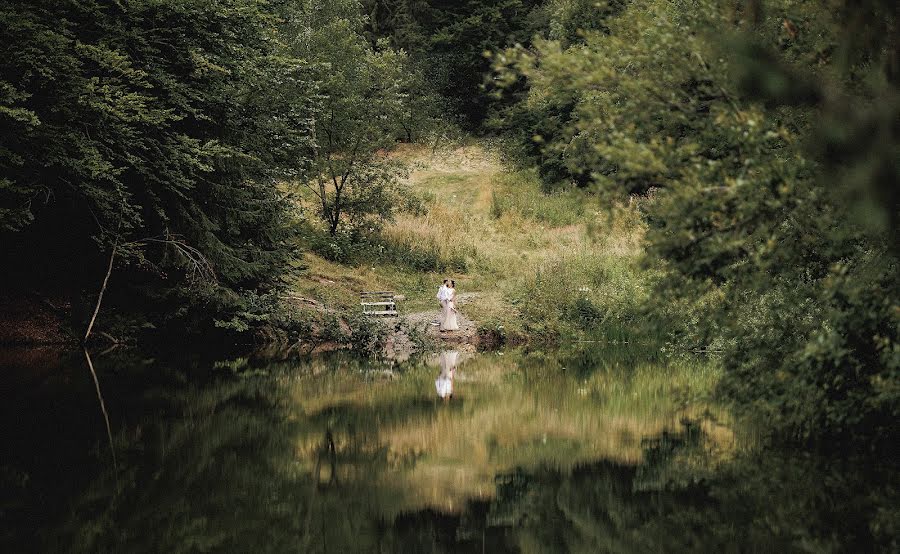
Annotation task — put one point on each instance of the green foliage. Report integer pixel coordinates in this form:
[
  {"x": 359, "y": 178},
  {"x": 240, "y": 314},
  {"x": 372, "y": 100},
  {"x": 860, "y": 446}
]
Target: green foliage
[
  {"x": 600, "y": 298},
  {"x": 368, "y": 98},
  {"x": 161, "y": 132},
  {"x": 771, "y": 204},
  {"x": 570, "y": 20},
  {"x": 267, "y": 313},
  {"x": 449, "y": 39},
  {"x": 425, "y": 256},
  {"x": 367, "y": 335},
  {"x": 155, "y": 127},
  {"x": 368, "y": 248}
]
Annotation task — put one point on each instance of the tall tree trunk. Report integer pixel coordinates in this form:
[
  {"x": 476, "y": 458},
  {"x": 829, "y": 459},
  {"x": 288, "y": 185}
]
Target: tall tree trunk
[
  {"x": 112, "y": 258},
  {"x": 333, "y": 223}
]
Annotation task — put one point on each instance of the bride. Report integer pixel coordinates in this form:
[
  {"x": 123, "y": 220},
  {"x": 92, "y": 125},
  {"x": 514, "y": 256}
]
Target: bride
[
  {"x": 448, "y": 319},
  {"x": 444, "y": 381}
]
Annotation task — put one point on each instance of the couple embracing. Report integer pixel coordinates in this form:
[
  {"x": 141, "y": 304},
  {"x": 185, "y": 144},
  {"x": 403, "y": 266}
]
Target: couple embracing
[{"x": 447, "y": 297}]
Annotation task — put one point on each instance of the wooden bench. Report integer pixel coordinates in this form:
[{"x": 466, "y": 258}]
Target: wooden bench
[{"x": 378, "y": 303}]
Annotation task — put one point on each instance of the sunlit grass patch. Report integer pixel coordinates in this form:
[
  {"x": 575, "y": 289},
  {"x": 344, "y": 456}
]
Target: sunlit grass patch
[
  {"x": 555, "y": 266},
  {"x": 519, "y": 192}
]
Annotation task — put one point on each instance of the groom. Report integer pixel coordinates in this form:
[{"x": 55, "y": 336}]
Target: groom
[{"x": 443, "y": 295}]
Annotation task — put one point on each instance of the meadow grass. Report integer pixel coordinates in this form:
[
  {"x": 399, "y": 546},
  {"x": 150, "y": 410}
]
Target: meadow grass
[{"x": 540, "y": 265}]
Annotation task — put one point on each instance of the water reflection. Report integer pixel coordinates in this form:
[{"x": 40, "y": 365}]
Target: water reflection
[
  {"x": 448, "y": 361},
  {"x": 338, "y": 454}
]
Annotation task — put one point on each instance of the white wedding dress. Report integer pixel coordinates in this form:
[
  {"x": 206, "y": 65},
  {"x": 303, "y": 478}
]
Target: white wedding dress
[
  {"x": 444, "y": 382},
  {"x": 448, "y": 318}
]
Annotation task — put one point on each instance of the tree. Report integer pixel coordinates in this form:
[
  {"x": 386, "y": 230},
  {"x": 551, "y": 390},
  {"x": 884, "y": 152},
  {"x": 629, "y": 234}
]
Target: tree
[
  {"x": 448, "y": 41},
  {"x": 368, "y": 98},
  {"x": 691, "y": 110},
  {"x": 148, "y": 134}
]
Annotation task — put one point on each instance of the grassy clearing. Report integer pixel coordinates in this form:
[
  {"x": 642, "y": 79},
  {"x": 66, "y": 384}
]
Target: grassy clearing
[{"x": 541, "y": 265}]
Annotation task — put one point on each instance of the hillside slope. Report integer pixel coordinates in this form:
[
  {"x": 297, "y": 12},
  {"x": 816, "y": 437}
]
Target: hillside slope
[{"x": 505, "y": 243}]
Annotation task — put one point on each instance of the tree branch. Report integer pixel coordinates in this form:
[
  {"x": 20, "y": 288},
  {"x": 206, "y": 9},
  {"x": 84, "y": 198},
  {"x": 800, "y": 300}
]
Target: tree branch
[
  {"x": 200, "y": 268},
  {"x": 112, "y": 258}
]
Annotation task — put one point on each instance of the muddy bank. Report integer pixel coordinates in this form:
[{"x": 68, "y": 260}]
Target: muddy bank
[{"x": 29, "y": 319}]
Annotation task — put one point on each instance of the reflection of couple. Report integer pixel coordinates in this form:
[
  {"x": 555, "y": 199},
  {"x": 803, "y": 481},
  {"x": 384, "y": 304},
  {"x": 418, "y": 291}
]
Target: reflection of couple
[
  {"x": 447, "y": 297},
  {"x": 444, "y": 382}
]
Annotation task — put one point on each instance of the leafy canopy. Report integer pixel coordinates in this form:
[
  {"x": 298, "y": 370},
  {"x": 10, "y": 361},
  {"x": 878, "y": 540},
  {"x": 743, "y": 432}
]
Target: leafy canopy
[{"x": 745, "y": 160}]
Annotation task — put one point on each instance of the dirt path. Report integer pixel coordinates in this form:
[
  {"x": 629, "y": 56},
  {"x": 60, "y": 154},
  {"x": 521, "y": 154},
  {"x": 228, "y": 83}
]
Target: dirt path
[{"x": 464, "y": 340}]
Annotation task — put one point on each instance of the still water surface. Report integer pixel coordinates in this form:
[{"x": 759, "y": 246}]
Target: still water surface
[{"x": 575, "y": 451}]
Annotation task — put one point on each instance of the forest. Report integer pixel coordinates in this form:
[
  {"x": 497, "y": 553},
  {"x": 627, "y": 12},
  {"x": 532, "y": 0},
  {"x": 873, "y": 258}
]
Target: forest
[
  {"x": 164, "y": 140},
  {"x": 714, "y": 178}
]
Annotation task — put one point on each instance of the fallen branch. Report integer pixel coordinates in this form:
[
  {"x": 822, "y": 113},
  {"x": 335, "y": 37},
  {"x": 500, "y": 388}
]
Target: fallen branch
[{"x": 113, "y": 340}]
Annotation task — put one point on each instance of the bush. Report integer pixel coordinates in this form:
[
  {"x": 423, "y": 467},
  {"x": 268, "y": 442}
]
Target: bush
[
  {"x": 585, "y": 313},
  {"x": 771, "y": 212},
  {"x": 600, "y": 297},
  {"x": 422, "y": 254},
  {"x": 367, "y": 335}
]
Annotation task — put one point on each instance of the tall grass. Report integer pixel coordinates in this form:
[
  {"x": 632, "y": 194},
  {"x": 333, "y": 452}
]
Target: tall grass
[
  {"x": 557, "y": 209},
  {"x": 547, "y": 265},
  {"x": 551, "y": 266}
]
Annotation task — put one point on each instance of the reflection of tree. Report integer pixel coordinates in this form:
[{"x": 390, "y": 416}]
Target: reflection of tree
[
  {"x": 328, "y": 453},
  {"x": 218, "y": 468},
  {"x": 234, "y": 466},
  {"x": 201, "y": 480},
  {"x": 764, "y": 502}
]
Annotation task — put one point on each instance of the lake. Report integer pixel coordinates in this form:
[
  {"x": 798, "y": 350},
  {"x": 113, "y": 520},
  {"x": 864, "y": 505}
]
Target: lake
[{"x": 578, "y": 450}]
